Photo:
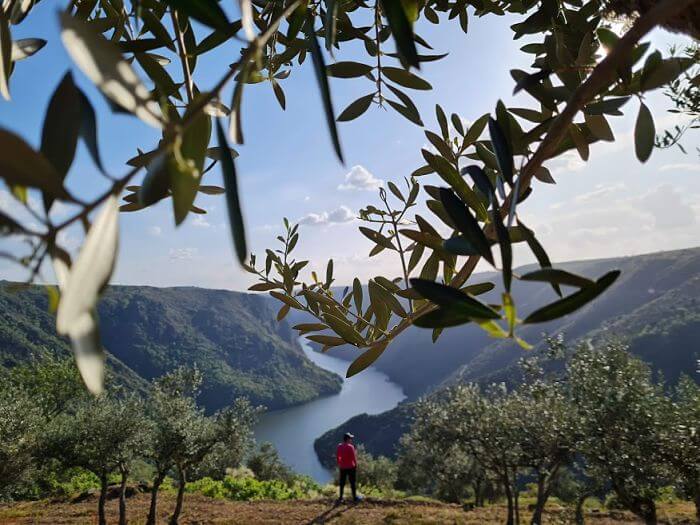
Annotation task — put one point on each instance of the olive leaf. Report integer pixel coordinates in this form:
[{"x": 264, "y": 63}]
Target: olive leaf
[
  {"x": 234, "y": 207},
  {"x": 320, "y": 70},
  {"x": 102, "y": 62},
  {"x": 367, "y": 358},
  {"x": 87, "y": 277},
  {"x": 644, "y": 133},
  {"x": 572, "y": 302}
]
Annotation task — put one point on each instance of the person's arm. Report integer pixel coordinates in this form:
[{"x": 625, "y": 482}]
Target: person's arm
[
  {"x": 354, "y": 455},
  {"x": 337, "y": 455}
]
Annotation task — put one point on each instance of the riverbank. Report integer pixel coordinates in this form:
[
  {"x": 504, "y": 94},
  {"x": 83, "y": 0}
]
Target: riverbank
[{"x": 204, "y": 511}]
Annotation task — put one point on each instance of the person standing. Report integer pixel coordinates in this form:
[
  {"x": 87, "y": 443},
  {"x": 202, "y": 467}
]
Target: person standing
[{"x": 347, "y": 464}]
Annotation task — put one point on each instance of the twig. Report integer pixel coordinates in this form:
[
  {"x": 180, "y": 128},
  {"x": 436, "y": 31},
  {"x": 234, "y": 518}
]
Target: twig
[{"x": 182, "y": 51}]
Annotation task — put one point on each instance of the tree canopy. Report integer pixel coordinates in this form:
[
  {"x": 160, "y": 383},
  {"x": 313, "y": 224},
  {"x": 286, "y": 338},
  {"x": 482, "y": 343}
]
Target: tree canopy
[{"x": 581, "y": 74}]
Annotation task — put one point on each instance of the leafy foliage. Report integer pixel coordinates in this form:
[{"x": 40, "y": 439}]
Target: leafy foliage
[{"x": 118, "y": 44}]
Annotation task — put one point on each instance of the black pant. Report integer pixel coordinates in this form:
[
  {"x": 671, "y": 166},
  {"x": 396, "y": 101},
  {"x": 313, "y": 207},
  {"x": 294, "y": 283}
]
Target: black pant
[{"x": 351, "y": 474}]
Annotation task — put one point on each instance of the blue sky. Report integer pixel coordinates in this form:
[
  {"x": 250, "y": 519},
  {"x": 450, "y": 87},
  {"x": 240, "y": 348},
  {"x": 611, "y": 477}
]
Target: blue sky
[{"x": 610, "y": 206}]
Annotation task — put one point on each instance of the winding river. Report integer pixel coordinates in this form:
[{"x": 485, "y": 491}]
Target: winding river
[{"x": 293, "y": 430}]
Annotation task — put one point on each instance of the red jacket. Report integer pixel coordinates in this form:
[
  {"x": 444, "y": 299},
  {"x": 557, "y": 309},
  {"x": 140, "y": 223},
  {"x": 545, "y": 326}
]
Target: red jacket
[{"x": 345, "y": 456}]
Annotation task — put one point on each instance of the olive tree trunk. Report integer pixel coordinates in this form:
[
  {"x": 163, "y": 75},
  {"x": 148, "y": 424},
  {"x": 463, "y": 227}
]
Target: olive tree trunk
[
  {"x": 153, "y": 510},
  {"x": 122, "y": 495},
  {"x": 180, "y": 495},
  {"x": 101, "y": 519}
]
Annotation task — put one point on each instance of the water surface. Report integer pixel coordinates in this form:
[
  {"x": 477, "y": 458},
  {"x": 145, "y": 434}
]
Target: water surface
[{"x": 293, "y": 430}]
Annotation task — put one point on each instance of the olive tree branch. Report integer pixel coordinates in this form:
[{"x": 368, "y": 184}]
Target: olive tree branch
[
  {"x": 600, "y": 78},
  {"x": 198, "y": 105},
  {"x": 603, "y": 74},
  {"x": 182, "y": 51}
]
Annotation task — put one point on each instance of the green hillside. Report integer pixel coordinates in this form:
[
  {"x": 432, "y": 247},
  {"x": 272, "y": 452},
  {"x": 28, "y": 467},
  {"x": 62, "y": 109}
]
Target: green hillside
[
  {"x": 232, "y": 337},
  {"x": 654, "y": 306}
]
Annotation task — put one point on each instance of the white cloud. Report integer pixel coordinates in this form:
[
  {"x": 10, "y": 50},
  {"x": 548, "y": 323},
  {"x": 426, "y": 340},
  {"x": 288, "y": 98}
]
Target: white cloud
[
  {"x": 340, "y": 215},
  {"x": 358, "y": 178},
  {"x": 601, "y": 191},
  {"x": 566, "y": 163},
  {"x": 200, "y": 222},
  {"x": 680, "y": 166},
  {"x": 182, "y": 254},
  {"x": 666, "y": 204},
  {"x": 154, "y": 231}
]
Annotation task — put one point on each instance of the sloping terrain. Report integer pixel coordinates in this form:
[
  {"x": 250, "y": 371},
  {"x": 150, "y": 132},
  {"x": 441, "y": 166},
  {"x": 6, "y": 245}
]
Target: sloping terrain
[
  {"x": 201, "y": 510},
  {"x": 654, "y": 307},
  {"x": 232, "y": 337}
]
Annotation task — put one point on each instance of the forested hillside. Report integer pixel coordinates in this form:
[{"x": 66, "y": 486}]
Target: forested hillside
[
  {"x": 232, "y": 337},
  {"x": 654, "y": 306},
  {"x": 653, "y": 302}
]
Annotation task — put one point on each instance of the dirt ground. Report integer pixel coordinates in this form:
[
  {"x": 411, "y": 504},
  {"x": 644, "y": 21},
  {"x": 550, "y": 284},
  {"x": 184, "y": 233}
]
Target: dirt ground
[{"x": 201, "y": 510}]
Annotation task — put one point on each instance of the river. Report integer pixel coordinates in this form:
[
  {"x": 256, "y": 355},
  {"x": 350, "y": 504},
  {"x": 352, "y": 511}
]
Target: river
[{"x": 293, "y": 430}]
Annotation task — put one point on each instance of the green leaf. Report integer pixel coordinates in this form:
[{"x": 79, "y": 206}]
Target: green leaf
[
  {"x": 26, "y": 167},
  {"x": 153, "y": 24},
  {"x": 208, "y": 12},
  {"x": 506, "y": 249},
  {"x": 5, "y": 56},
  {"x": 405, "y": 112},
  {"x": 348, "y": 70},
  {"x": 510, "y": 311},
  {"x": 378, "y": 293},
  {"x": 478, "y": 289},
  {"x": 556, "y": 276},
  {"x": 102, "y": 62},
  {"x": 357, "y": 294},
  {"x": 402, "y": 31},
  {"x": 451, "y": 176},
  {"x": 572, "y": 302},
  {"x": 88, "y": 129},
  {"x": 266, "y": 287},
  {"x": 327, "y": 340},
  {"x": 81, "y": 287},
  {"x": 164, "y": 83},
  {"x": 442, "y": 122},
  {"x": 344, "y": 329},
  {"x": 466, "y": 223},
  {"x": 405, "y": 78},
  {"x": 644, "y": 133},
  {"x": 26, "y": 47},
  {"x": 331, "y": 23},
  {"x": 320, "y": 69},
  {"x": 356, "y": 108},
  {"x": 442, "y": 318},
  {"x": 234, "y": 208},
  {"x": 476, "y": 129},
  {"x": 59, "y": 136},
  {"x": 453, "y": 299},
  {"x": 460, "y": 245},
  {"x": 368, "y": 357},
  {"x": 538, "y": 251},
  {"x": 410, "y": 106},
  {"x": 502, "y": 148},
  {"x": 377, "y": 238},
  {"x": 196, "y": 139},
  {"x": 156, "y": 183},
  {"x": 599, "y": 127}
]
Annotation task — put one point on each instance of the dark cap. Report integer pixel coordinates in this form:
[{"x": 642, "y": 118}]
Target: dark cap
[{"x": 348, "y": 435}]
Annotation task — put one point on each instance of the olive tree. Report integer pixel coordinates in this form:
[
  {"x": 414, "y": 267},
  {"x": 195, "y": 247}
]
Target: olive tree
[
  {"x": 101, "y": 435},
  {"x": 622, "y": 422},
  {"x": 143, "y": 57},
  {"x": 681, "y": 439},
  {"x": 182, "y": 436},
  {"x": 20, "y": 427}
]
